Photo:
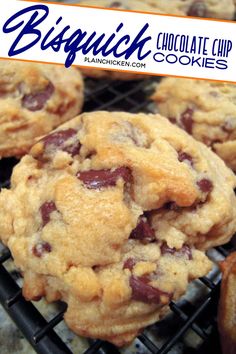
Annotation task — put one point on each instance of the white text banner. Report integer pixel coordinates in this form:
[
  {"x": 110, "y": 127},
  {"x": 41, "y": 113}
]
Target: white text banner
[{"x": 118, "y": 40}]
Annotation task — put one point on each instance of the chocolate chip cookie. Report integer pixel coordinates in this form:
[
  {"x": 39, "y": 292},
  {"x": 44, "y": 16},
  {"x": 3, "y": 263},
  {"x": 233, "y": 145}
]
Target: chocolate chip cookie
[
  {"x": 132, "y": 5},
  {"x": 207, "y": 110},
  {"x": 35, "y": 99},
  {"x": 223, "y": 9},
  {"x": 111, "y": 212}
]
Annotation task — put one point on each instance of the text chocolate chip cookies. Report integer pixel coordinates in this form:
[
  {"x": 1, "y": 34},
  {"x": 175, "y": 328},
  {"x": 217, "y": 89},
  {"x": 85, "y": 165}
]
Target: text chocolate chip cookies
[
  {"x": 224, "y": 9},
  {"x": 207, "y": 110},
  {"x": 34, "y": 99},
  {"x": 111, "y": 213}
]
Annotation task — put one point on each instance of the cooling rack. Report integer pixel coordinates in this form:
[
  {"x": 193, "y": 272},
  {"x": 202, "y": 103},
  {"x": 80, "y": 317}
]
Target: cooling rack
[{"x": 191, "y": 328}]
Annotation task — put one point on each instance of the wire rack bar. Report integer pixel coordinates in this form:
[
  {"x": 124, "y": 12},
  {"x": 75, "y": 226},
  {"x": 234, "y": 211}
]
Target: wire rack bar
[
  {"x": 170, "y": 344},
  {"x": 27, "y": 318},
  {"x": 50, "y": 325},
  {"x": 6, "y": 254},
  {"x": 177, "y": 310}
]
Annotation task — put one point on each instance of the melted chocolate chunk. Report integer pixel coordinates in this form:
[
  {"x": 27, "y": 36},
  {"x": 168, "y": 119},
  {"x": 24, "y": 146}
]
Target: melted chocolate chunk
[
  {"x": 198, "y": 9},
  {"x": 172, "y": 206},
  {"x": 187, "y": 120},
  {"x": 46, "y": 209},
  {"x": 37, "y": 100},
  {"x": 143, "y": 291},
  {"x": 205, "y": 185},
  {"x": 129, "y": 263},
  {"x": 183, "y": 156},
  {"x": 143, "y": 232},
  {"x": 95, "y": 179},
  {"x": 166, "y": 249},
  {"x": 209, "y": 142},
  {"x": 41, "y": 248},
  {"x": 116, "y": 4},
  {"x": 185, "y": 251},
  {"x": 59, "y": 139},
  {"x": 36, "y": 298},
  {"x": 172, "y": 120}
]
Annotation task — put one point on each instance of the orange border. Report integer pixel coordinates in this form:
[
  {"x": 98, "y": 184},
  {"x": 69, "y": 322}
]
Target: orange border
[{"x": 118, "y": 70}]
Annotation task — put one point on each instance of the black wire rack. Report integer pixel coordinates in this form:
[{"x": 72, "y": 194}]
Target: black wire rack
[{"x": 192, "y": 319}]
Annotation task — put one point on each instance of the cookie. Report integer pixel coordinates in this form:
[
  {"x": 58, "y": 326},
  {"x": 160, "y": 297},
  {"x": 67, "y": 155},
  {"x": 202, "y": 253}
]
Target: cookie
[
  {"x": 227, "y": 305},
  {"x": 223, "y": 9},
  {"x": 207, "y": 110},
  {"x": 132, "y": 5},
  {"x": 135, "y": 5},
  {"x": 35, "y": 99},
  {"x": 110, "y": 213}
]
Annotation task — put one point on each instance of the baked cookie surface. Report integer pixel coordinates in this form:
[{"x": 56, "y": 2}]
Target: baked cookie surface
[
  {"x": 135, "y": 5},
  {"x": 207, "y": 110},
  {"x": 221, "y": 9},
  {"x": 110, "y": 213},
  {"x": 224, "y": 9},
  {"x": 35, "y": 99}
]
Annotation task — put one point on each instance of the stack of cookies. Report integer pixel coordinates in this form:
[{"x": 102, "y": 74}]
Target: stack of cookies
[{"x": 113, "y": 212}]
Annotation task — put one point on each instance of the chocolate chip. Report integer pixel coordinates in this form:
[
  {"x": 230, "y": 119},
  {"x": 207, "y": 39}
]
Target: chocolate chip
[
  {"x": 198, "y": 9},
  {"x": 184, "y": 251},
  {"x": 172, "y": 206},
  {"x": 37, "y": 100},
  {"x": 95, "y": 179},
  {"x": 183, "y": 156},
  {"x": 214, "y": 94},
  {"x": 143, "y": 232},
  {"x": 215, "y": 141},
  {"x": 41, "y": 248},
  {"x": 165, "y": 249},
  {"x": 59, "y": 138},
  {"x": 142, "y": 291},
  {"x": 206, "y": 140},
  {"x": 205, "y": 185},
  {"x": 187, "y": 120},
  {"x": 172, "y": 120},
  {"x": 36, "y": 298},
  {"x": 116, "y": 4},
  {"x": 129, "y": 264},
  {"x": 46, "y": 209}
]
